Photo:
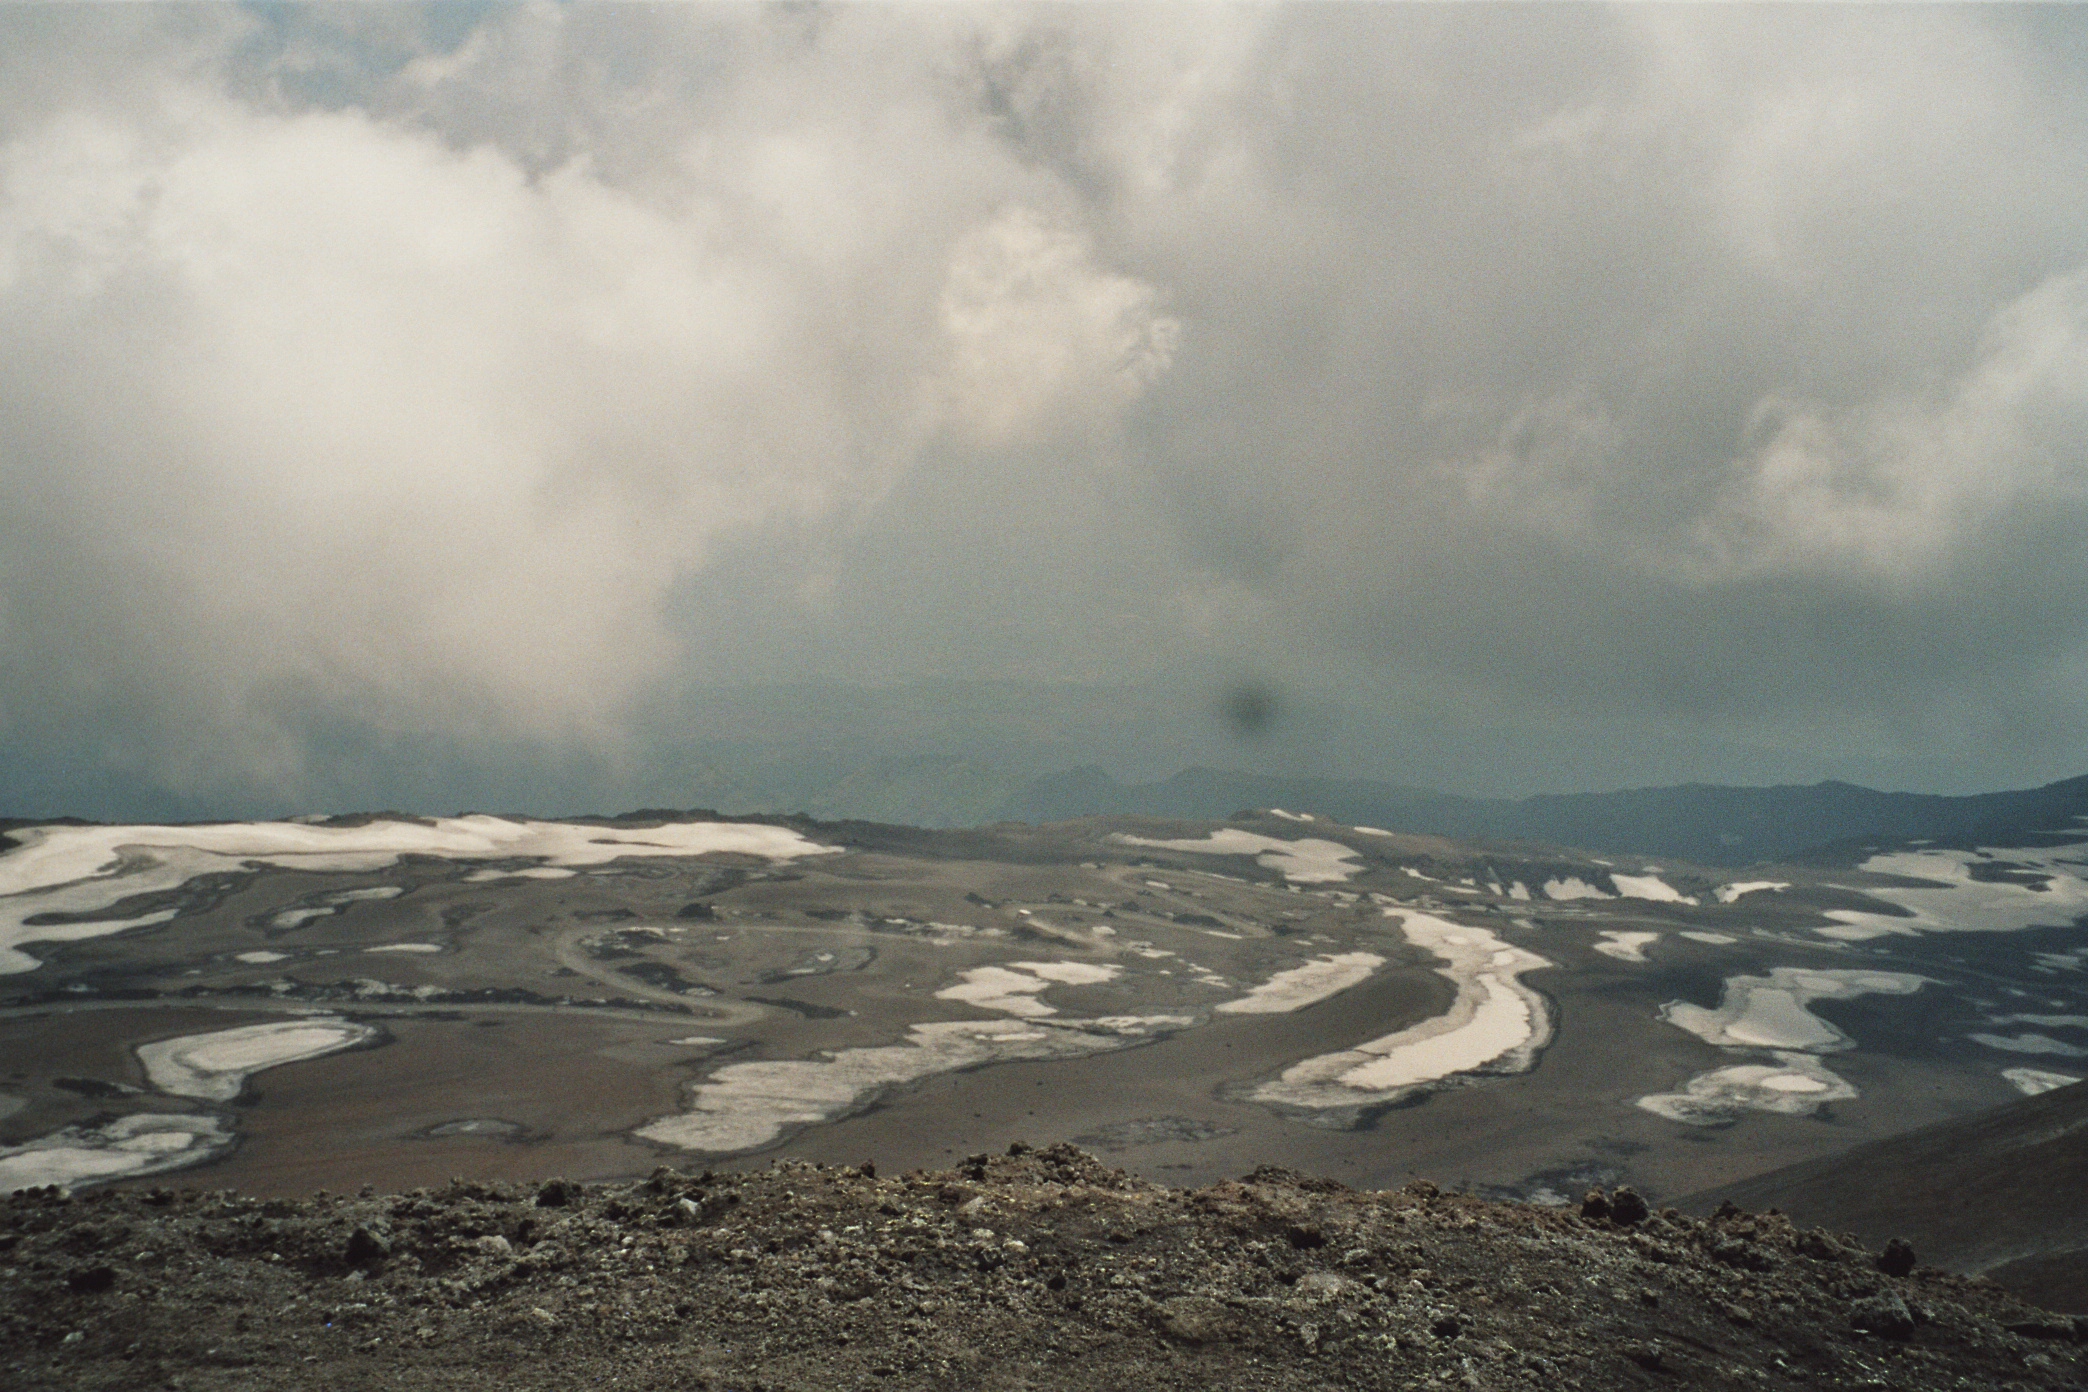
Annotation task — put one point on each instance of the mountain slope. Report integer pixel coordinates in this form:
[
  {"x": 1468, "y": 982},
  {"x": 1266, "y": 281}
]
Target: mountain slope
[
  {"x": 1039, "y": 1270},
  {"x": 1996, "y": 1193},
  {"x": 1705, "y": 823}
]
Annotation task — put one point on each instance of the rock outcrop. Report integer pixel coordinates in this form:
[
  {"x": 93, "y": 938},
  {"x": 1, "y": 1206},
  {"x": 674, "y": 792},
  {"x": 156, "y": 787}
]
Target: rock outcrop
[{"x": 1035, "y": 1269}]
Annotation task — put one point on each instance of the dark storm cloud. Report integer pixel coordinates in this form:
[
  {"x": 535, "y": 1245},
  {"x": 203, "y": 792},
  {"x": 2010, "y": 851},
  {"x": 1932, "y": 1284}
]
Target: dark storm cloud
[{"x": 1571, "y": 394}]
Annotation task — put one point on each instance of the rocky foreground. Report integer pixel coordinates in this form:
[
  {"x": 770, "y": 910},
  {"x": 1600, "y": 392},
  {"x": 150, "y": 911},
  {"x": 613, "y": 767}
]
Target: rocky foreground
[{"x": 1036, "y": 1269}]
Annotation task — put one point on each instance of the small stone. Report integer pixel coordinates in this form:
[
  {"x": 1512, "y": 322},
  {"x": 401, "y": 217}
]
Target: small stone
[
  {"x": 1739, "y": 1314},
  {"x": 1193, "y": 1319},
  {"x": 556, "y": 1193},
  {"x": 1818, "y": 1245},
  {"x": 1897, "y": 1259},
  {"x": 538, "y": 1316},
  {"x": 1626, "y": 1207},
  {"x": 496, "y": 1246},
  {"x": 1883, "y": 1314},
  {"x": 1595, "y": 1206},
  {"x": 1446, "y": 1327}
]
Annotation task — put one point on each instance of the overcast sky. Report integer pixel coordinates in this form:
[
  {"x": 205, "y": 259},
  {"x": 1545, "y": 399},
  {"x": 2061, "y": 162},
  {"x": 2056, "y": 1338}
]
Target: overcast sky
[{"x": 1562, "y": 397}]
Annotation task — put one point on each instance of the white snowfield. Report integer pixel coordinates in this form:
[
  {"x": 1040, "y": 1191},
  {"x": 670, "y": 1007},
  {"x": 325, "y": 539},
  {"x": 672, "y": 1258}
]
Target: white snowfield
[
  {"x": 1014, "y": 987},
  {"x": 2027, "y": 1043},
  {"x": 1626, "y": 947},
  {"x": 1768, "y": 1013},
  {"x": 1649, "y": 886},
  {"x": 1496, "y": 1024},
  {"x": 88, "y": 870},
  {"x": 1302, "y": 986},
  {"x": 1573, "y": 887},
  {"x": 215, "y": 1066},
  {"x": 1709, "y": 938},
  {"x": 746, "y": 1106},
  {"x": 139, "y": 1144},
  {"x": 2032, "y": 1081},
  {"x": 1957, "y": 903},
  {"x": 1795, "y": 1085},
  {"x": 1307, "y": 861},
  {"x": 1732, "y": 893}
]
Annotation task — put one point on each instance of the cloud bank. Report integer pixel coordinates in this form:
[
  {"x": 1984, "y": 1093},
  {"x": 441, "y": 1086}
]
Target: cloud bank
[{"x": 390, "y": 390}]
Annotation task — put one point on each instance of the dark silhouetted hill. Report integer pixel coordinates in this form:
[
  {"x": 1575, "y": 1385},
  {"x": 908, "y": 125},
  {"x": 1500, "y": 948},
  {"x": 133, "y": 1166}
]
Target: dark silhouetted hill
[
  {"x": 1998, "y": 1193},
  {"x": 1704, "y": 823}
]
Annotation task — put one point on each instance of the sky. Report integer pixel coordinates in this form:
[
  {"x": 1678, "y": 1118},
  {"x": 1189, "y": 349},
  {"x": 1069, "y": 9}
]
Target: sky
[{"x": 556, "y": 405}]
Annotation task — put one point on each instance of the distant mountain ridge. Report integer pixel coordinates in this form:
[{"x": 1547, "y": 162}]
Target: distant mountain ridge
[{"x": 1706, "y": 823}]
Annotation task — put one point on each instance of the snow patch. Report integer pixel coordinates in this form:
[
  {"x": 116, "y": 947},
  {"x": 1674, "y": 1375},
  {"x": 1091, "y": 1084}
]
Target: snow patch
[
  {"x": 1731, "y": 893},
  {"x": 1626, "y": 947},
  {"x": 746, "y": 1106},
  {"x": 1495, "y": 1025},
  {"x": 1795, "y": 1085},
  {"x": 1958, "y": 903},
  {"x": 139, "y": 1144},
  {"x": 2032, "y": 1081},
  {"x": 1769, "y": 1012},
  {"x": 1573, "y": 887},
  {"x": 1649, "y": 886},
  {"x": 1302, "y": 986},
  {"x": 215, "y": 1066},
  {"x": 88, "y": 870},
  {"x": 1309, "y": 861},
  {"x": 2029, "y": 1044},
  {"x": 1013, "y": 989}
]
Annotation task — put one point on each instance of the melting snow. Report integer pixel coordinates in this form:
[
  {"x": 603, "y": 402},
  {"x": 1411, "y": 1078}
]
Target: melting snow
[
  {"x": 1626, "y": 947},
  {"x": 745, "y": 1106},
  {"x": 1013, "y": 989},
  {"x": 2032, "y": 1081},
  {"x": 1769, "y": 1013},
  {"x": 1649, "y": 886},
  {"x": 1301, "y": 986},
  {"x": 1496, "y": 1025},
  {"x": 1573, "y": 887},
  {"x": 86, "y": 870},
  {"x": 215, "y": 1066},
  {"x": 139, "y": 1144},
  {"x": 1309, "y": 861},
  {"x": 1731, "y": 893},
  {"x": 1960, "y": 903},
  {"x": 2029, "y": 1044},
  {"x": 1795, "y": 1085}
]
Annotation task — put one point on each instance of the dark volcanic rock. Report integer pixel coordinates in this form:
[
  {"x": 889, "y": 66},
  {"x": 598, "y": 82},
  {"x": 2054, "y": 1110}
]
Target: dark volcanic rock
[
  {"x": 1897, "y": 1259},
  {"x": 1884, "y": 1313},
  {"x": 1050, "y": 1272},
  {"x": 1626, "y": 1207}
]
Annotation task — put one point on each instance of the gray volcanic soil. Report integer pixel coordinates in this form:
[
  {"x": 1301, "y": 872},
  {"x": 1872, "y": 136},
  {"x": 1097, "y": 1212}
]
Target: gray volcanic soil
[
  {"x": 1997, "y": 1193},
  {"x": 1034, "y": 1270}
]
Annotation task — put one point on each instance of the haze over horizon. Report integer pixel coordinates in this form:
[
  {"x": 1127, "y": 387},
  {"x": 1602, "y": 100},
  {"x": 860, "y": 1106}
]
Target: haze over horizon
[{"x": 573, "y": 408}]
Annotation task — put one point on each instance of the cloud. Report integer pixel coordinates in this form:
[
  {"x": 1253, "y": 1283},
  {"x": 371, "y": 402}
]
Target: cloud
[{"x": 478, "y": 380}]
